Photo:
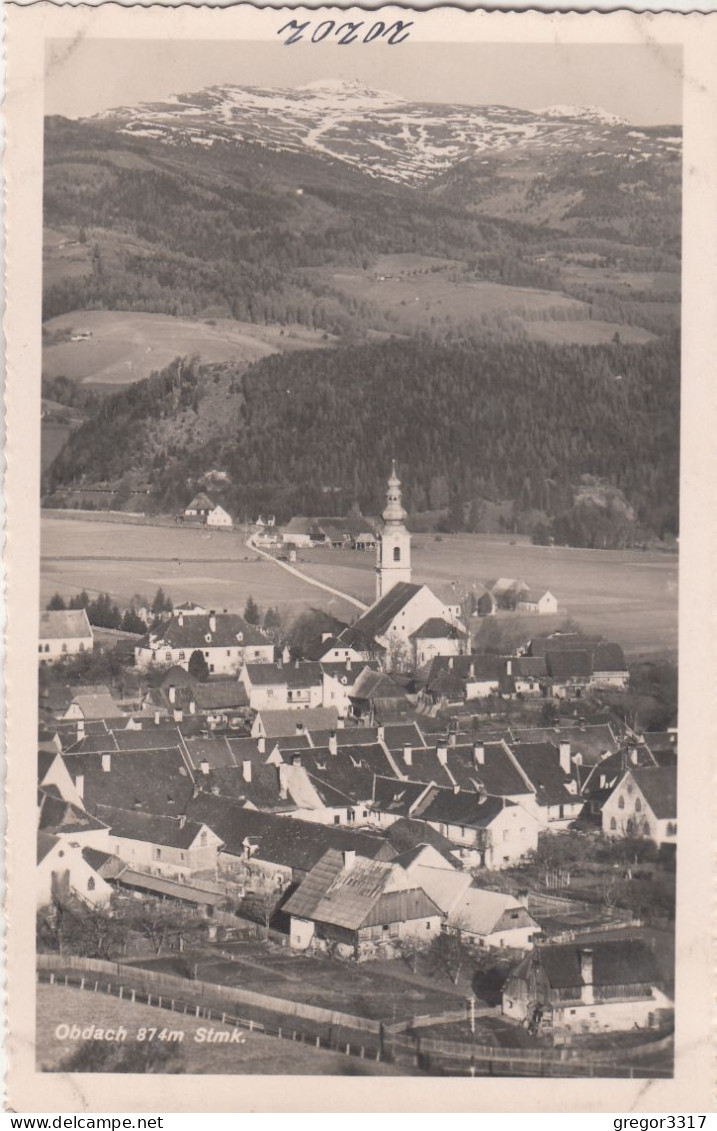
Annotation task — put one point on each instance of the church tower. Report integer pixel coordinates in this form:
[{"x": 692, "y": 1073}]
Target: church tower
[{"x": 393, "y": 559}]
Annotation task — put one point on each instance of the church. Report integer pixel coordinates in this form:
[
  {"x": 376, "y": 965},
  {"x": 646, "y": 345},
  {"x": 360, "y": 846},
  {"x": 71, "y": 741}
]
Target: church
[{"x": 407, "y": 625}]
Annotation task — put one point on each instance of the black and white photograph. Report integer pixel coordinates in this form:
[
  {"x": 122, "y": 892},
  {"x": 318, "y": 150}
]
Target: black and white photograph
[{"x": 359, "y": 530}]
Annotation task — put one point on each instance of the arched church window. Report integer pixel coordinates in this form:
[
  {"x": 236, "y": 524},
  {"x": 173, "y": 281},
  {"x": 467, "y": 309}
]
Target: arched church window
[{"x": 397, "y": 553}]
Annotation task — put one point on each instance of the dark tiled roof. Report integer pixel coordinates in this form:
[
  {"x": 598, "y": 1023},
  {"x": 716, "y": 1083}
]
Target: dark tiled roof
[
  {"x": 498, "y": 774},
  {"x": 64, "y": 624},
  {"x": 397, "y": 735},
  {"x": 624, "y": 963},
  {"x": 195, "y": 632},
  {"x": 57, "y": 815},
  {"x": 200, "y": 502},
  {"x": 540, "y": 762},
  {"x": 266, "y": 675},
  {"x": 346, "y": 736},
  {"x": 174, "y": 832},
  {"x": 609, "y": 658},
  {"x": 216, "y": 751},
  {"x": 306, "y": 674},
  {"x": 155, "y": 781},
  {"x": 283, "y": 722},
  {"x": 466, "y": 809},
  {"x": 436, "y": 628},
  {"x": 529, "y": 666},
  {"x": 45, "y": 844},
  {"x": 569, "y": 665},
  {"x": 406, "y": 833},
  {"x": 591, "y": 742},
  {"x": 376, "y": 620},
  {"x": 562, "y": 642},
  {"x": 392, "y": 796},
  {"x": 226, "y": 694},
  {"x": 286, "y": 841},
  {"x": 658, "y": 785}
]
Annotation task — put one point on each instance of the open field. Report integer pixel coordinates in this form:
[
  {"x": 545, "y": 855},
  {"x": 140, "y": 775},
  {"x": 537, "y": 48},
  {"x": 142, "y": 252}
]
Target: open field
[
  {"x": 258, "y": 1054},
  {"x": 213, "y": 568},
  {"x": 126, "y": 346},
  {"x": 627, "y": 595},
  {"x": 417, "y": 290}
]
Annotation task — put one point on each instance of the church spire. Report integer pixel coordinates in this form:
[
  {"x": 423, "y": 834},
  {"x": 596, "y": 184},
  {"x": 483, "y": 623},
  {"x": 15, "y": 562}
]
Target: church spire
[{"x": 393, "y": 562}]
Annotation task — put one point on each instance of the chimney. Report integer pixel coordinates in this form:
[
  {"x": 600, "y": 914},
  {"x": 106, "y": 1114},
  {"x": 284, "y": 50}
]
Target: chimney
[
  {"x": 478, "y": 754},
  {"x": 452, "y": 738},
  {"x": 380, "y": 734},
  {"x": 442, "y": 755},
  {"x": 299, "y": 728},
  {"x": 204, "y": 766},
  {"x": 246, "y": 770},
  {"x": 261, "y": 744},
  {"x": 587, "y": 991},
  {"x": 565, "y": 763},
  {"x": 408, "y": 753},
  {"x": 182, "y": 820},
  {"x": 508, "y": 667},
  {"x": 340, "y": 723},
  {"x": 283, "y": 781},
  {"x": 348, "y": 666},
  {"x": 212, "y": 621},
  {"x": 172, "y": 693},
  {"x": 450, "y": 663},
  {"x": 349, "y": 858},
  {"x": 333, "y": 743},
  {"x": 471, "y": 671},
  {"x": 80, "y": 728},
  {"x": 296, "y": 759},
  {"x": 80, "y": 786},
  {"x": 456, "y": 789},
  {"x": 178, "y": 715},
  {"x": 106, "y": 763},
  {"x": 157, "y": 718},
  {"x": 483, "y": 794},
  {"x": 634, "y": 755},
  {"x": 180, "y": 620},
  {"x": 192, "y": 707}
]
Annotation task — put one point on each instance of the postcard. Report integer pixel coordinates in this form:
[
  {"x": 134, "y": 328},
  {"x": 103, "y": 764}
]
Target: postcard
[{"x": 360, "y": 417}]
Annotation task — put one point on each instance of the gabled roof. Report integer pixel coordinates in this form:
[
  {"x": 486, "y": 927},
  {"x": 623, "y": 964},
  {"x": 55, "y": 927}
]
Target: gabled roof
[
  {"x": 407, "y": 833},
  {"x": 98, "y": 706},
  {"x": 155, "y": 781},
  {"x": 225, "y": 694},
  {"x": 196, "y": 632},
  {"x": 562, "y": 642},
  {"x": 569, "y": 665},
  {"x": 200, "y": 502},
  {"x": 436, "y": 628},
  {"x": 615, "y": 964},
  {"x": 528, "y": 666},
  {"x": 45, "y": 844},
  {"x": 498, "y": 774},
  {"x": 129, "y": 824},
  {"x": 590, "y": 742},
  {"x": 373, "y": 685},
  {"x": 378, "y": 618},
  {"x": 397, "y": 797},
  {"x": 540, "y": 762},
  {"x": 305, "y": 674},
  {"x": 658, "y": 785},
  {"x": 60, "y": 816},
  {"x": 285, "y": 841},
  {"x": 266, "y": 675},
  {"x": 466, "y": 809},
  {"x": 64, "y": 624},
  {"x": 282, "y": 723},
  {"x": 480, "y": 910}
]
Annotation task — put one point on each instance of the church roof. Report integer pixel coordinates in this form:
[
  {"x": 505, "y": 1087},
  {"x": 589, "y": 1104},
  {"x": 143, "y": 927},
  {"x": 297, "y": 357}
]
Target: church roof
[{"x": 377, "y": 620}]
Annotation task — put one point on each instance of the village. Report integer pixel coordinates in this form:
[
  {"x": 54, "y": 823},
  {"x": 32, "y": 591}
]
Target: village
[{"x": 380, "y": 839}]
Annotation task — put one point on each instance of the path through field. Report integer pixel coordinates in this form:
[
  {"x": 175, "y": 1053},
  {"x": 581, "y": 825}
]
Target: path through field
[{"x": 304, "y": 577}]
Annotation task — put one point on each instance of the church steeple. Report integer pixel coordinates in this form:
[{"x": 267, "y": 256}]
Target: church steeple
[{"x": 393, "y": 562}]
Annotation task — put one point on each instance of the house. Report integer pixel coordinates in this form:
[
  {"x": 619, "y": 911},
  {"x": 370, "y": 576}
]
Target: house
[
  {"x": 63, "y": 632},
  {"x": 364, "y": 907},
  {"x": 273, "y": 724},
  {"x": 200, "y": 507},
  {"x": 219, "y": 517},
  {"x": 280, "y": 848},
  {"x": 63, "y": 872},
  {"x": 437, "y": 637},
  {"x": 598, "y": 781},
  {"x": 491, "y": 831},
  {"x": 145, "y": 780},
  {"x": 528, "y": 674},
  {"x": 569, "y": 673},
  {"x": 375, "y": 695},
  {"x": 548, "y": 770},
  {"x": 600, "y": 986},
  {"x": 225, "y": 640},
  {"x": 279, "y": 687},
  {"x": 455, "y": 679},
  {"x": 173, "y": 847},
  {"x": 643, "y": 804},
  {"x": 609, "y": 666},
  {"x": 539, "y": 601},
  {"x": 93, "y": 704}
]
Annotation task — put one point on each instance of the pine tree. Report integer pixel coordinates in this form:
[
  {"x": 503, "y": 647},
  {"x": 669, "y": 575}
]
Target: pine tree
[
  {"x": 56, "y": 603},
  {"x": 251, "y": 611}
]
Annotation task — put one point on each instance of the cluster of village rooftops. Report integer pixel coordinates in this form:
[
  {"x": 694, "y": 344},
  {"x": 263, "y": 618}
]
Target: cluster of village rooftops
[{"x": 331, "y": 784}]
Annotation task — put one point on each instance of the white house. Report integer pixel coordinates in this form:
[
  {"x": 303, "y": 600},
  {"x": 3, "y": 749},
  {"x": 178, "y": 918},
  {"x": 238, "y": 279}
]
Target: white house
[
  {"x": 63, "y": 632},
  {"x": 225, "y": 640},
  {"x": 173, "y": 847},
  {"x": 536, "y": 601},
  {"x": 219, "y": 517},
  {"x": 491, "y": 831},
  {"x": 643, "y": 804},
  {"x": 62, "y": 870}
]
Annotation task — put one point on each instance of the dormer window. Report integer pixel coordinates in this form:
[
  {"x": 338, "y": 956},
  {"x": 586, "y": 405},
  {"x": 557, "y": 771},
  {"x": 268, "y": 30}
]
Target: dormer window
[
  {"x": 208, "y": 638},
  {"x": 240, "y": 636}
]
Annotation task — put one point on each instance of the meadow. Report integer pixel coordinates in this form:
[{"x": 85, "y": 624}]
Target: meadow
[
  {"x": 127, "y": 346},
  {"x": 629, "y": 596},
  {"x": 259, "y": 1054}
]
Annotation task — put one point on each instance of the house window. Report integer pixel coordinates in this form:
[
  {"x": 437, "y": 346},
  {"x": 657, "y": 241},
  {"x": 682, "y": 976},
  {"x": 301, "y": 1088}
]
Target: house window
[
  {"x": 393, "y": 931},
  {"x": 158, "y": 853},
  {"x": 181, "y": 856},
  {"x": 621, "y": 802},
  {"x": 91, "y": 884},
  {"x": 428, "y": 925},
  {"x": 207, "y": 655},
  {"x": 613, "y": 824},
  {"x": 182, "y": 656},
  {"x": 397, "y": 553},
  {"x": 229, "y": 651},
  {"x": 40, "y": 648},
  {"x": 337, "y": 819},
  {"x": 256, "y": 653},
  {"x": 638, "y": 805},
  {"x": 64, "y": 646},
  {"x": 203, "y": 839},
  {"x": 168, "y": 657},
  {"x": 671, "y": 828},
  {"x": 82, "y": 646}
]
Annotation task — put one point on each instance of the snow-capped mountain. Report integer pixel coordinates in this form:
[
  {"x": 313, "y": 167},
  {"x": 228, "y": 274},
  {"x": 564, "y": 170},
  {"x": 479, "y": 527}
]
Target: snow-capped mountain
[{"x": 382, "y": 133}]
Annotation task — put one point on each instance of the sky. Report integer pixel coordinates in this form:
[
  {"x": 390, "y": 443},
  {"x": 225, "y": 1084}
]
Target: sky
[{"x": 640, "y": 84}]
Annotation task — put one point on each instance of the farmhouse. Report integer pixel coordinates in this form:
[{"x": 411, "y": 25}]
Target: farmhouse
[
  {"x": 63, "y": 872},
  {"x": 643, "y": 804},
  {"x": 536, "y": 601},
  {"x": 200, "y": 507},
  {"x": 219, "y": 517},
  {"x": 363, "y": 906},
  {"x": 492, "y": 830},
  {"x": 63, "y": 633},
  {"x": 224, "y": 640},
  {"x": 173, "y": 847},
  {"x": 589, "y": 988}
]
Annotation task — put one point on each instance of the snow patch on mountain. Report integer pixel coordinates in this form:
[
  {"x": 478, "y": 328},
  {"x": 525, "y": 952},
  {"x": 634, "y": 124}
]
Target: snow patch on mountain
[{"x": 591, "y": 113}]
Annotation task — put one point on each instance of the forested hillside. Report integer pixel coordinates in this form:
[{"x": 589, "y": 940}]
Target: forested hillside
[{"x": 314, "y": 432}]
